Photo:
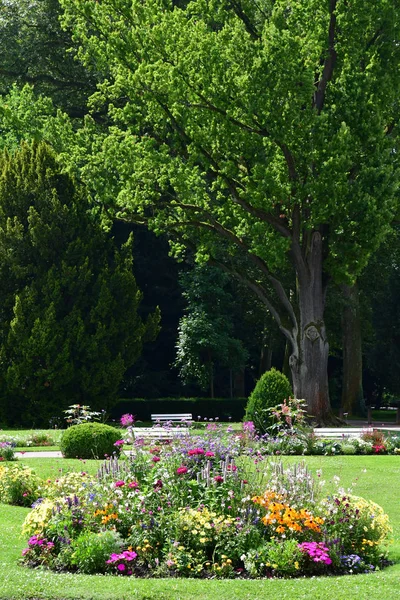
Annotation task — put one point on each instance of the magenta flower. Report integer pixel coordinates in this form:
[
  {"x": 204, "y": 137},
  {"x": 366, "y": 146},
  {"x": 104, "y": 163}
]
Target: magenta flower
[
  {"x": 119, "y": 483},
  {"x": 133, "y": 484},
  {"x": 119, "y": 443},
  {"x": 318, "y": 552},
  {"x": 127, "y": 420},
  {"x": 209, "y": 453},
  {"x": 182, "y": 470},
  {"x": 121, "y": 567},
  {"x": 218, "y": 479},
  {"x": 196, "y": 452},
  {"x": 156, "y": 459}
]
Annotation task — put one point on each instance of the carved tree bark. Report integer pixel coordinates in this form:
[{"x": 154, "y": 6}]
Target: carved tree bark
[
  {"x": 352, "y": 389},
  {"x": 310, "y": 348}
]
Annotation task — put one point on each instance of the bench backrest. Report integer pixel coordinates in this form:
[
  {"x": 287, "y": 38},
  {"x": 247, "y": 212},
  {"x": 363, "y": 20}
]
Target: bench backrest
[{"x": 171, "y": 417}]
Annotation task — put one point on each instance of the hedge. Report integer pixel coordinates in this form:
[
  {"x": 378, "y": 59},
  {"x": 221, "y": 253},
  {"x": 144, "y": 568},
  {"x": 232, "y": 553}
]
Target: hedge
[{"x": 225, "y": 409}]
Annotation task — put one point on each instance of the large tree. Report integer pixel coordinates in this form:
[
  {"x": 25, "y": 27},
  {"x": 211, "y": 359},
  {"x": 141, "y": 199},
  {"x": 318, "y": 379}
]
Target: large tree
[
  {"x": 69, "y": 323},
  {"x": 257, "y": 133}
]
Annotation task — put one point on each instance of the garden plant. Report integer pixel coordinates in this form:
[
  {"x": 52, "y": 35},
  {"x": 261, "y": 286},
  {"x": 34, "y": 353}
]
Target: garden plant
[{"x": 203, "y": 506}]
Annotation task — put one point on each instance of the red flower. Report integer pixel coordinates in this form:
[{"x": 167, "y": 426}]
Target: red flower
[
  {"x": 218, "y": 479},
  {"x": 156, "y": 459},
  {"x": 196, "y": 451},
  {"x": 182, "y": 470}
]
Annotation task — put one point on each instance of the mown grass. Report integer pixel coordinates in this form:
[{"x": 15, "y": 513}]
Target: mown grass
[{"x": 374, "y": 477}]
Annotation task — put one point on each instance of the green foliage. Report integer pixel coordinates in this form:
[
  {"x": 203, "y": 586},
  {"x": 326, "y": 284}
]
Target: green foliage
[
  {"x": 35, "y": 50},
  {"x": 69, "y": 324},
  {"x": 206, "y": 332},
  {"x": 90, "y": 551},
  {"x": 18, "y": 485},
  {"x": 89, "y": 440},
  {"x": 261, "y": 135},
  {"x": 271, "y": 389}
]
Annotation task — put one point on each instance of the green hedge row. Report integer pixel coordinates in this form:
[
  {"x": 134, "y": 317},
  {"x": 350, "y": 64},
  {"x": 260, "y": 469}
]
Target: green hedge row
[{"x": 206, "y": 408}]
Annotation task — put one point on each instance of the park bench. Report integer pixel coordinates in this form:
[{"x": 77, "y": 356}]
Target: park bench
[
  {"x": 336, "y": 433},
  {"x": 183, "y": 419},
  {"x": 166, "y": 426}
]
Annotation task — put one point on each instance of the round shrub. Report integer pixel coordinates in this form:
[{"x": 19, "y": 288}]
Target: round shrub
[
  {"x": 89, "y": 440},
  {"x": 271, "y": 389}
]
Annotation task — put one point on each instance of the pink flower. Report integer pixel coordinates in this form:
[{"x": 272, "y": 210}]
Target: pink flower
[
  {"x": 133, "y": 484},
  {"x": 121, "y": 567},
  {"x": 182, "y": 470},
  {"x": 218, "y": 479},
  {"x": 119, "y": 443},
  {"x": 209, "y": 453},
  {"x": 156, "y": 459},
  {"x": 119, "y": 483},
  {"x": 127, "y": 420},
  {"x": 195, "y": 452}
]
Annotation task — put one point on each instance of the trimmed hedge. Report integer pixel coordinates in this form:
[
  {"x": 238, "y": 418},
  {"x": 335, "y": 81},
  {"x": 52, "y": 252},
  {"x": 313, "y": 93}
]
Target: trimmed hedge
[
  {"x": 89, "y": 440},
  {"x": 224, "y": 408}
]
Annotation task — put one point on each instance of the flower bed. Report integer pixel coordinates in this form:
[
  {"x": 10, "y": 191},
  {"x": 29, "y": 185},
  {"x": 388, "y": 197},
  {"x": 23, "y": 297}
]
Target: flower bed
[{"x": 202, "y": 507}]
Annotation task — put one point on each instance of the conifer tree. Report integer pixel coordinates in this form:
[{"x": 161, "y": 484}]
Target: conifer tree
[{"x": 69, "y": 324}]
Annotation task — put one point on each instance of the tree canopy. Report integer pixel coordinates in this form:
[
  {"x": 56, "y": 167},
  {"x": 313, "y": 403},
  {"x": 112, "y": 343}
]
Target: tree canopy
[{"x": 259, "y": 134}]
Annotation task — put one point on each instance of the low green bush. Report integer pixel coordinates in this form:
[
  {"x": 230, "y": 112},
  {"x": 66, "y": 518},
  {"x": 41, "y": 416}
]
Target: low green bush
[
  {"x": 271, "y": 389},
  {"x": 90, "y": 440}
]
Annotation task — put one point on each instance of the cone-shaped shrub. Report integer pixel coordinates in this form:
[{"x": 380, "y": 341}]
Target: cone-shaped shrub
[{"x": 271, "y": 389}]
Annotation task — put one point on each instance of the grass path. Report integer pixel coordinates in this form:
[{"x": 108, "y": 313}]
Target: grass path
[{"x": 380, "y": 482}]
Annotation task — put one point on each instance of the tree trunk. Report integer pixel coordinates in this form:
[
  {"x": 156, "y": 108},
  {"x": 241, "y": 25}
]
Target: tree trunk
[
  {"x": 211, "y": 372},
  {"x": 310, "y": 348},
  {"x": 352, "y": 389}
]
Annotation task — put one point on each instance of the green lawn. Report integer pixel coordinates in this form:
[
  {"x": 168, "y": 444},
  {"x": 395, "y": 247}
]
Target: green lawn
[{"x": 380, "y": 483}]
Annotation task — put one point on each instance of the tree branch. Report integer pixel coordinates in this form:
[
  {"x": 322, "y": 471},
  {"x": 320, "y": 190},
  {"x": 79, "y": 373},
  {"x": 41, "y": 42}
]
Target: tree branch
[{"x": 329, "y": 62}]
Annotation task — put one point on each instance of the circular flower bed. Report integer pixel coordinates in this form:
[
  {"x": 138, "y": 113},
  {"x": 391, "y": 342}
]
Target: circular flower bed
[{"x": 208, "y": 507}]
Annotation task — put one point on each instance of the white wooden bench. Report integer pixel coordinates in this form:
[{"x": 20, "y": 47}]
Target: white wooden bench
[
  {"x": 183, "y": 419},
  {"x": 158, "y": 433},
  {"x": 337, "y": 433}
]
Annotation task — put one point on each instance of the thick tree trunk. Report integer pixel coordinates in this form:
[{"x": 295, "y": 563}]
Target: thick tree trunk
[
  {"x": 352, "y": 389},
  {"x": 310, "y": 348}
]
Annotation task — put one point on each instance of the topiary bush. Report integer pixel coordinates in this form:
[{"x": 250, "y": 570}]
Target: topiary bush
[
  {"x": 89, "y": 440},
  {"x": 271, "y": 389}
]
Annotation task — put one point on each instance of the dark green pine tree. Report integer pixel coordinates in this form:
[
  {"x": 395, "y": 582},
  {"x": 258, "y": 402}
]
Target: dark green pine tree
[{"x": 69, "y": 324}]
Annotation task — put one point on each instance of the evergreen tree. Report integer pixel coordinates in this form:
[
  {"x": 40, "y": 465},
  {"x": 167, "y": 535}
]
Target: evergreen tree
[{"x": 69, "y": 324}]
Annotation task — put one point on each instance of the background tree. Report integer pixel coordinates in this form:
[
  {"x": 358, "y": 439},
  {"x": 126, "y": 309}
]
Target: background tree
[
  {"x": 259, "y": 133},
  {"x": 69, "y": 324},
  {"x": 35, "y": 50},
  {"x": 206, "y": 337}
]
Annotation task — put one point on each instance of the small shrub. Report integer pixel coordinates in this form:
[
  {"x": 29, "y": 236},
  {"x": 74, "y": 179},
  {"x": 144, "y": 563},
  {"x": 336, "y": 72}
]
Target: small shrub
[
  {"x": 91, "y": 551},
  {"x": 271, "y": 389},
  {"x": 348, "y": 449},
  {"x": 89, "y": 440},
  {"x": 18, "y": 485},
  {"x": 6, "y": 452}
]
